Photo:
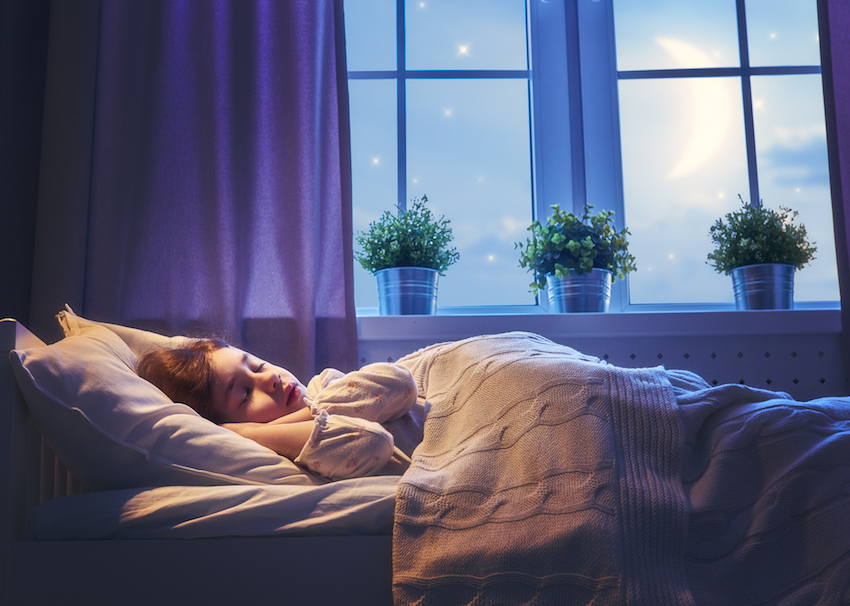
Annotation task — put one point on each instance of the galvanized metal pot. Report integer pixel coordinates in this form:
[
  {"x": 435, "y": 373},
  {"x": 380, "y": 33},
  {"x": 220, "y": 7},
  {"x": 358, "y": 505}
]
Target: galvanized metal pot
[
  {"x": 580, "y": 292},
  {"x": 764, "y": 286},
  {"x": 404, "y": 291}
]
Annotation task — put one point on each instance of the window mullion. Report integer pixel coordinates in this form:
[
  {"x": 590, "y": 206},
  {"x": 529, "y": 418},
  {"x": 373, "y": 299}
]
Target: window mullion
[
  {"x": 747, "y": 97},
  {"x": 401, "y": 104},
  {"x": 599, "y": 89}
]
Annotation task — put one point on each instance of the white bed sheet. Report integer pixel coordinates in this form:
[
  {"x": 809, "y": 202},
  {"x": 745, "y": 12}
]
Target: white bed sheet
[{"x": 356, "y": 506}]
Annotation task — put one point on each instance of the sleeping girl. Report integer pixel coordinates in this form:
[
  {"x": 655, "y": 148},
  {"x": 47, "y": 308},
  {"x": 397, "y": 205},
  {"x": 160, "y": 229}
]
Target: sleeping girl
[{"x": 338, "y": 426}]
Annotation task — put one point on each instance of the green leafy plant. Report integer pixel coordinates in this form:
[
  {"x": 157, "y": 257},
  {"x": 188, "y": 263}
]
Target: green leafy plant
[
  {"x": 411, "y": 238},
  {"x": 755, "y": 234},
  {"x": 567, "y": 243}
]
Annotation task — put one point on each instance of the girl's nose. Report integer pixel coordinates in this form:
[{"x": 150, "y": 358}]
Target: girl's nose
[{"x": 270, "y": 381}]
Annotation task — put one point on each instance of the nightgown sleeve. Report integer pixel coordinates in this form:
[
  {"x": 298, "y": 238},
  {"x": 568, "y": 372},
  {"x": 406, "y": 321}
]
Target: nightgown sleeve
[
  {"x": 343, "y": 447},
  {"x": 378, "y": 392}
]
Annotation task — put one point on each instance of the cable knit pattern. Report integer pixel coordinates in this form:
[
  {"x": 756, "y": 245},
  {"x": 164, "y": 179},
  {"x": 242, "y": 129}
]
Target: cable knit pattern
[
  {"x": 545, "y": 477},
  {"x": 548, "y": 477}
]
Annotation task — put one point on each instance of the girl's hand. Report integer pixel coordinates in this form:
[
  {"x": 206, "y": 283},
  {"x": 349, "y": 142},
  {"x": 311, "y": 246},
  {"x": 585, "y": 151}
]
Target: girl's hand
[
  {"x": 249, "y": 429},
  {"x": 303, "y": 414}
]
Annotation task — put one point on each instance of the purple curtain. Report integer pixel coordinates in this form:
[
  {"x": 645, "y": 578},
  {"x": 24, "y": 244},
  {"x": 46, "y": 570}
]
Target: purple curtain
[
  {"x": 196, "y": 173},
  {"x": 834, "y": 17}
]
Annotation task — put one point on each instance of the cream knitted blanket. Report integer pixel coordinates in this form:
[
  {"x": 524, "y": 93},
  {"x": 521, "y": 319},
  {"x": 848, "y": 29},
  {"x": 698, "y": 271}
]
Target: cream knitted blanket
[{"x": 545, "y": 477}]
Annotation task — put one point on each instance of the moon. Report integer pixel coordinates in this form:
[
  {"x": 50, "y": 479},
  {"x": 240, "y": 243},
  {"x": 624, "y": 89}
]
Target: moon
[{"x": 711, "y": 109}]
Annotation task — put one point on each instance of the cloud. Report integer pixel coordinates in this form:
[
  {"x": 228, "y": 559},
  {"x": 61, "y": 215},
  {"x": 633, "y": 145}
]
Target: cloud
[{"x": 796, "y": 165}]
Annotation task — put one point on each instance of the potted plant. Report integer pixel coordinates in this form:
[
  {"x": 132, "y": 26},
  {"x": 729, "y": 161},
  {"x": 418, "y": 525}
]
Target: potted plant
[
  {"x": 576, "y": 259},
  {"x": 407, "y": 251},
  {"x": 760, "y": 248}
]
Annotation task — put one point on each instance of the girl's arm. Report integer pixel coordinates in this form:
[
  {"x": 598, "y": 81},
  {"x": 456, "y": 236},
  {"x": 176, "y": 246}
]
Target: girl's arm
[
  {"x": 332, "y": 446},
  {"x": 285, "y": 438}
]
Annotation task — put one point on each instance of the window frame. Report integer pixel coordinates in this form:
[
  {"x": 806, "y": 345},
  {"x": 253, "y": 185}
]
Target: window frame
[{"x": 574, "y": 122}]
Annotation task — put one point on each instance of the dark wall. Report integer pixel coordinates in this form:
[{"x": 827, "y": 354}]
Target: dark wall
[{"x": 23, "y": 58}]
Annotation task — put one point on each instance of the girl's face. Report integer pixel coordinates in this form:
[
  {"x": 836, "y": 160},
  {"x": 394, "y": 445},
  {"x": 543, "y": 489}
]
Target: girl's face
[{"x": 248, "y": 389}]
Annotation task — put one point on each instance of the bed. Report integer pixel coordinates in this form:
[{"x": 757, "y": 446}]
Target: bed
[
  {"x": 288, "y": 561},
  {"x": 545, "y": 476}
]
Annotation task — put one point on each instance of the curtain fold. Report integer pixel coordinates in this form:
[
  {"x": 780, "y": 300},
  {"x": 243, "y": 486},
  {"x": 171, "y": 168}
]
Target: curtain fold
[
  {"x": 196, "y": 173},
  {"x": 834, "y": 19}
]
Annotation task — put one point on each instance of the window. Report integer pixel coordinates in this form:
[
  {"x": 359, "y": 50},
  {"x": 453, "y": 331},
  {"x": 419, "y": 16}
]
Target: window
[{"x": 663, "y": 110}]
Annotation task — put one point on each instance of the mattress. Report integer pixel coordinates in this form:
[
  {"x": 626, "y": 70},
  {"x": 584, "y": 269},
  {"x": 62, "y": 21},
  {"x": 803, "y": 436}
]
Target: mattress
[{"x": 356, "y": 506}]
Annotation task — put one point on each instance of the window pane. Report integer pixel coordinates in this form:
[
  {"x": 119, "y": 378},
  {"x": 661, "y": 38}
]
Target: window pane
[
  {"x": 674, "y": 34},
  {"x": 370, "y": 28},
  {"x": 783, "y": 32},
  {"x": 374, "y": 165},
  {"x": 684, "y": 162},
  {"x": 468, "y": 150},
  {"x": 465, "y": 34},
  {"x": 794, "y": 171}
]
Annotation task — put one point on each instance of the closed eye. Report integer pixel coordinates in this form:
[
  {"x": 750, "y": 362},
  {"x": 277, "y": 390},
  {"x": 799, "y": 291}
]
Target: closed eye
[{"x": 249, "y": 390}]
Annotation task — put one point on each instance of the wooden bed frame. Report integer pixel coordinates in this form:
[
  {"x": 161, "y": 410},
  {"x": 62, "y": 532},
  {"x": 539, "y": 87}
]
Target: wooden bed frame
[{"x": 268, "y": 570}]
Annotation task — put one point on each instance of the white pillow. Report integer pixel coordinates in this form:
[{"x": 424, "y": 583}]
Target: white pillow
[{"x": 113, "y": 429}]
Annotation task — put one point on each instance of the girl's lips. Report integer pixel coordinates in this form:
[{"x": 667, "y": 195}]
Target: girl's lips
[{"x": 293, "y": 395}]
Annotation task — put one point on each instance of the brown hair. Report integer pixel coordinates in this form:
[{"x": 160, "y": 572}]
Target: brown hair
[{"x": 184, "y": 374}]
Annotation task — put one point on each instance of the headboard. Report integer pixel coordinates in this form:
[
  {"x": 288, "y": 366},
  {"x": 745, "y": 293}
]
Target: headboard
[
  {"x": 31, "y": 473},
  {"x": 20, "y": 492}
]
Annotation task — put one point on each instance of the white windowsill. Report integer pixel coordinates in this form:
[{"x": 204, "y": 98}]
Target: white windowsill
[{"x": 456, "y": 323}]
